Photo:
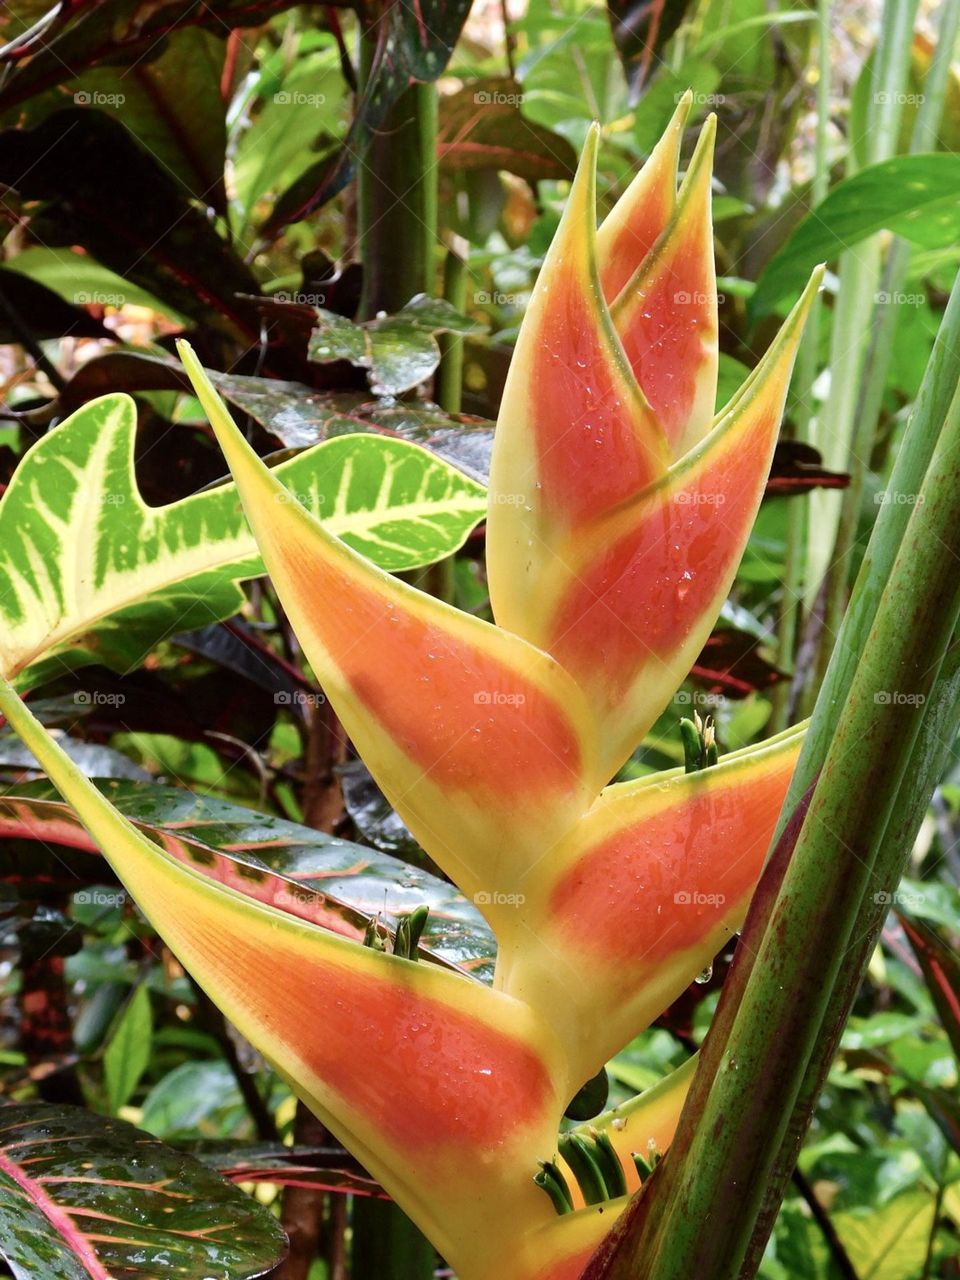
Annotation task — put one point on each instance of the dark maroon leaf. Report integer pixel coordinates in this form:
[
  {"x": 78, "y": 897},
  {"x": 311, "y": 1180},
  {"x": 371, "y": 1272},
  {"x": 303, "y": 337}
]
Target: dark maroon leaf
[
  {"x": 482, "y": 127},
  {"x": 798, "y": 468},
  {"x": 732, "y": 664},
  {"x": 317, "y": 1168},
  {"x": 78, "y": 34},
  {"x": 640, "y": 29},
  {"x": 96, "y": 187},
  {"x": 941, "y": 970}
]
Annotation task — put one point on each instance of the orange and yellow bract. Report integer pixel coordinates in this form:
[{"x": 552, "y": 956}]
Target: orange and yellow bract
[{"x": 620, "y": 504}]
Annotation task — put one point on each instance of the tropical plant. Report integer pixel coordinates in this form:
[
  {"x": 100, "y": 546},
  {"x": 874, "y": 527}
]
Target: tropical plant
[{"x": 618, "y": 509}]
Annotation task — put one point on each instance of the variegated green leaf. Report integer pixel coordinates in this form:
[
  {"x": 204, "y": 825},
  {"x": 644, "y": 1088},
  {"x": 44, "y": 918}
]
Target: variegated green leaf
[
  {"x": 89, "y": 572},
  {"x": 84, "y": 1197}
]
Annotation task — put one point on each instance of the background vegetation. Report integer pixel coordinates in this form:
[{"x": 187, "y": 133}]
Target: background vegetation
[{"x": 280, "y": 183}]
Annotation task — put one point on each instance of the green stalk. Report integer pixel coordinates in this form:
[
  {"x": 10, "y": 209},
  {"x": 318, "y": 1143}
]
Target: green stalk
[
  {"x": 397, "y": 197},
  {"x": 932, "y": 403},
  {"x": 697, "y": 1218},
  {"x": 859, "y": 275},
  {"x": 386, "y": 1244},
  {"x": 883, "y": 330},
  {"x": 449, "y": 393},
  {"x": 930, "y": 758}
]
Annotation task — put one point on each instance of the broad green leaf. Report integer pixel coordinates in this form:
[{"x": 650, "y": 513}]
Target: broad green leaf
[
  {"x": 128, "y": 1051},
  {"x": 916, "y": 196},
  {"x": 81, "y": 279},
  {"x": 94, "y": 574},
  {"x": 889, "y": 1243},
  {"x": 73, "y": 1184},
  {"x": 334, "y": 882},
  {"x": 400, "y": 351}
]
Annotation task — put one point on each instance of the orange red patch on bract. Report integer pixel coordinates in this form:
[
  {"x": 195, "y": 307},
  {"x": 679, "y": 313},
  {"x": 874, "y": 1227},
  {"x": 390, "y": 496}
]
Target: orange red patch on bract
[
  {"x": 677, "y": 871},
  {"x": 462, "y": 715},
  {"x": 373, "y": 1039},
  {"x": 596, "y": 442}
]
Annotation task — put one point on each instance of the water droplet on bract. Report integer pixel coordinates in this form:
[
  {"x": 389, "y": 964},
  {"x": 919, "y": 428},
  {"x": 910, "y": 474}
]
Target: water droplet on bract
[{"x": 704, "y": 975}]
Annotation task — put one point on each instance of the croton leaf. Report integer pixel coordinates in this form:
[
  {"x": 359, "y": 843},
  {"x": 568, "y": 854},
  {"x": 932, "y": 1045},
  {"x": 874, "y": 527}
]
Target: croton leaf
[
  {"x": 148, "y": 231},
  {"x": 51, "y": 41},
  {"x": 315, "y": 1168},
  {"x": 399, "y": 351},
  {"x": 482, "y": 127},
  {"x": 83, "y": 1197},
  {"x": 93, "y": 573},
  {"x": 333, "y": 882}
]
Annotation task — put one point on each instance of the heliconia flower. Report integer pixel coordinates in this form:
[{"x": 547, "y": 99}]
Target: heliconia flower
[{"x": 619, "y": 508}]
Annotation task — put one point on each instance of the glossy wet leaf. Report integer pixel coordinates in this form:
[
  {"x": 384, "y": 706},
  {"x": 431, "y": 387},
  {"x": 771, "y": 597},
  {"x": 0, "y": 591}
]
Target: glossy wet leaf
[
  {"x": 399, "y": 351},
  {"x": 107, "y": 589},
  {"x": 302, "y": 871},
  {"x": 83, "y": 1197}
]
